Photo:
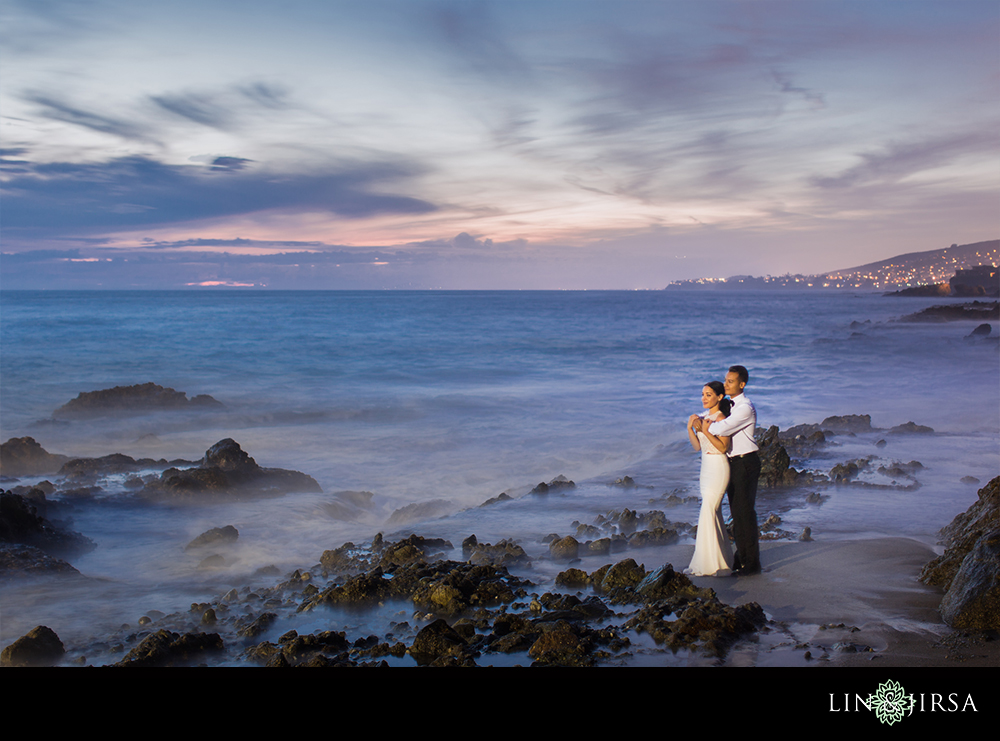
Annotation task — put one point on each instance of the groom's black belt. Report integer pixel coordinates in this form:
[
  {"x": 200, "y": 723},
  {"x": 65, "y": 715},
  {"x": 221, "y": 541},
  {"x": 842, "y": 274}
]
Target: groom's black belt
[{"x": 743, "y": 455}]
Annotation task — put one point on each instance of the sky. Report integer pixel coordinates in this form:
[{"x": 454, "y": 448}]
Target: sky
[{"x": 524, "y": 144}]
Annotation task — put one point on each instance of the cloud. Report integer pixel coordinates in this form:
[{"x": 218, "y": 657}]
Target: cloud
[
  {"x": 200, "y": 108},
  {"x": 128, "y": 192},
  {"x": 899, "y": 160},
  {"x": 58, "y": 110}
]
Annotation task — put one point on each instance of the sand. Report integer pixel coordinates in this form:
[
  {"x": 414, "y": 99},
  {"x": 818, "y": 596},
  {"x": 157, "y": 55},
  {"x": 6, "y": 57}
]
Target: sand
[{"x": 850, "y": 603}]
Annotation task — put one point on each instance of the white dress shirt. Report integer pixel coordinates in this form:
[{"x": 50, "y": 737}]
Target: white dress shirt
[{"x": 738, "y": 426}]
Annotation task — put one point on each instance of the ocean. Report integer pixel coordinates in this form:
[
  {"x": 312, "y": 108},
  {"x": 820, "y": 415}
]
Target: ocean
[{"x": 434, "y": 402}]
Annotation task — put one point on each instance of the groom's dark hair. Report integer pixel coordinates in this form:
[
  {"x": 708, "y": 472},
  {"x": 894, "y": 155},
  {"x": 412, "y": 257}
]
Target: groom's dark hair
[{"x": 740, "y": 371}]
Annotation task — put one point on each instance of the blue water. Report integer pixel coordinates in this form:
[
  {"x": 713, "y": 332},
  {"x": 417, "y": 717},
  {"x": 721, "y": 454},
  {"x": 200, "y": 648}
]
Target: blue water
[{"x": 442, "y": 400}]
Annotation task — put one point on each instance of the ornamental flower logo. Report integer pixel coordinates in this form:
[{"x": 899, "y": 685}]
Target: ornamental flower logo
[{"x": 890, "y": 702}]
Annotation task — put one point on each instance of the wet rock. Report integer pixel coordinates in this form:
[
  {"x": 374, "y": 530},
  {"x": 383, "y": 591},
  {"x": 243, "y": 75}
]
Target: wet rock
[
  {"x": 25, "y": 561},
  {"x": 413, "y": 548},
  {"x": 972, "y": 552},
  {"x": 983, "y": 330},
  {"x": 227, "y": 472},
  {"x": 911, "y": 427},
  {"x": 39, "y": 647},
  {"x": 703, "y": 623},
  {"x": 166, "y": 648},
  {"x": 23, "y": 456},
  {"x": 504, "y": 553},
  {"x": 775, "y": 463},
  {"x": 972, "y": 601},
  {"x": 559, "y": 483},
  {"x": 138, "y": 399},
  {"x": 980, "y": 311},
  {"x": 437, "y": 641},
  {"x": 20, "y": 523},
  {"x": 502, "y": 497},
  {"x": 215, "y": 537},
  {"x": 564, "y": 549}
]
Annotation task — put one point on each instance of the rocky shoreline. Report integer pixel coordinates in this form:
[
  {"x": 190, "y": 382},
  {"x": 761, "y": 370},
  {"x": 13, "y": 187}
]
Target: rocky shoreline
[{"x": 481, "y": 608}]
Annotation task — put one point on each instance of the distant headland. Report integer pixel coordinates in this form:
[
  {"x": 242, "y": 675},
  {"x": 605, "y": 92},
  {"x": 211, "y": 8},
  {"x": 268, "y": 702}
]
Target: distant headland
[{"x": 959, "y": 270}]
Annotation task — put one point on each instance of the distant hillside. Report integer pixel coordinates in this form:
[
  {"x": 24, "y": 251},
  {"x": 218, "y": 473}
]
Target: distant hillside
[{"x": 903, "y": 271}]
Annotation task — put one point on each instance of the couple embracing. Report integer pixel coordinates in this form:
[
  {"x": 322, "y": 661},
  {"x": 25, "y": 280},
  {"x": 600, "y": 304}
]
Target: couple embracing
[{"x": 729, "y": 465}]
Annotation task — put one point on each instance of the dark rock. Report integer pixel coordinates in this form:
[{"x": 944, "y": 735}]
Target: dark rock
[
  {"x": 439, "y": 640},
  {"x": 983, "y": 330},
  {"x": 504, "y": 553},
  {"x": 972, "y": 601},
  {"x": 775, "y": 463},
  {"x": 138, "y": 399},
  {"x": 39, "y": 647},
  {"x": 227, "y": 472},
  {"x": 979, "y": 311},
  {"x": 21, "y": 523},
  {"x": 911, "y": 427},
  {"x": 215, "y": 537},
  {"x": 962, "y": 534},
  {"x": 165, "y": 648},
  {"x": 564, "y": 549},
  {"x": 557, "y": 484},
  {"x": 25, "y": 560},
  {"x": 23, "y": 456}
]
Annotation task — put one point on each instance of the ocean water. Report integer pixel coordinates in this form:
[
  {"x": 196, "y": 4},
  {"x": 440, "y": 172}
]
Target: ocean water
[{"x": 434, "y": 402}]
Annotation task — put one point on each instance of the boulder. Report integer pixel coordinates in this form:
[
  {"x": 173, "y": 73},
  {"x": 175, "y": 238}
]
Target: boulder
[
  {"x": 969, "y": 569},
  {"x": 138, "y": 399},
  {"x": 227, "y": 472},
  {"x": 39, "y": 647},
  {"x": 23, "y": 456},
  {"x": 20, "y": 523}
]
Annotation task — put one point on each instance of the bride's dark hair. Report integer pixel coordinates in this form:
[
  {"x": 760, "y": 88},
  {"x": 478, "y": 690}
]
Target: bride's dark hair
[{"x": 725, "y": 405}]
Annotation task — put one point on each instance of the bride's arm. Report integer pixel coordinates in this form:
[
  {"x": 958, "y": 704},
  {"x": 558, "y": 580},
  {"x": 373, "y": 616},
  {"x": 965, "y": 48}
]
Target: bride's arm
[{"x": 692, "y": 435}]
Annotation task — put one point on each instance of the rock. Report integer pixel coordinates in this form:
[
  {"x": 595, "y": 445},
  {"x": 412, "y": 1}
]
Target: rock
[
  {"x": 138, "y": 399},
  {"x": 961, "y": 535},
  {"x": 23, "y": 456},
  {"x": 227, "y": 472},
  {"x": 972, "y": 552},
  {"x": 983, "y": 330},
  {"x": 564, "y": 549},
  {"x": 972, "y": 601},
  {"x": 980, "y": 311},
  {"x": 436, "y": 641},
  {"x": 911, "y": 427},
  {"x": 775, "y": 463},
  {"x": 504, "y": 553},
  {"x": 21, "y": 523},
  {"x": 39, "y": 647},
  {"x": 25, "y": 560},
  {"x": 214, "y": 537},
  {"x": 558, "y": 483},
  {"x": 165, "y": 648}
]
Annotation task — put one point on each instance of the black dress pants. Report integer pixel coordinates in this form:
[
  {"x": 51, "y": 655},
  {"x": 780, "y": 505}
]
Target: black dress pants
[{"x": 742, "y": 492}]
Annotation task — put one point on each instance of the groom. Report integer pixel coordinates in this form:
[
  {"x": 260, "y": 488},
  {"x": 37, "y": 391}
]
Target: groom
[{"x": 744, "y": 470}]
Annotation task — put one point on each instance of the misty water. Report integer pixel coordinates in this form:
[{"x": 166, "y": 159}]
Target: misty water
[{"x": 411, "y": 409}]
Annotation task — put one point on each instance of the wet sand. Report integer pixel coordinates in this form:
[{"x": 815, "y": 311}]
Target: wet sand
[{"x": 853, "y": 603}]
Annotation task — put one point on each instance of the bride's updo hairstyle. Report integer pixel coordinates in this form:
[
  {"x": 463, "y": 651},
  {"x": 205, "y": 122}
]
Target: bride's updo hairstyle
[{"x": 725, "y": 405}]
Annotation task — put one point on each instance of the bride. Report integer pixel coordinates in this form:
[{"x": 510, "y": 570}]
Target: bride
[{"x": 713, "y": 555}]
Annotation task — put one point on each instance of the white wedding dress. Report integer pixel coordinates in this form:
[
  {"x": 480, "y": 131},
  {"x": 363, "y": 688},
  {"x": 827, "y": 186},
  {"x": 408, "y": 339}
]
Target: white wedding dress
[{"x": 713, "y": 554}]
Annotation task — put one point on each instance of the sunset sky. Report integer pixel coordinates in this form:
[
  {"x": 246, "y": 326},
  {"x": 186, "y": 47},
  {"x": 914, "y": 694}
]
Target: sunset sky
[{"x": 464, "y": 144}]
